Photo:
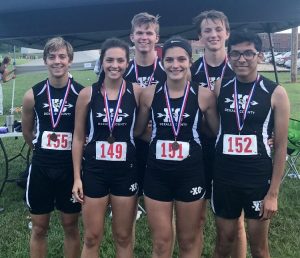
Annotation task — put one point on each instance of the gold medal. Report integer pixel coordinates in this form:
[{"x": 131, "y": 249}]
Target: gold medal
[
  {"x": 111, "y": 139},
  {"x": 53, "y": 137},
  {"x": 175, "y": 145}
]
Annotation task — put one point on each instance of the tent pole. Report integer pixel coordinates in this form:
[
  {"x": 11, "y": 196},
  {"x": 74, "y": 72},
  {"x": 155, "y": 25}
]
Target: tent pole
[
  {"x": 273, "y": 57},
  {"x": 14, "y": 85}
]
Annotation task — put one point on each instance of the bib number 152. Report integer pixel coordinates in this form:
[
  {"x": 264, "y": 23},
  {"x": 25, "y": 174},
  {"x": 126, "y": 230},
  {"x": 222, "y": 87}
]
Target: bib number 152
[{"x": 239, "y": 144}]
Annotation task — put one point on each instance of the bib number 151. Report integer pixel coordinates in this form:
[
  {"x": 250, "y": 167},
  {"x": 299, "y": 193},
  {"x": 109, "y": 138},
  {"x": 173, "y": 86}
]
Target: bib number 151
[
  {"x": 239, "y": 144},
  {"x": 165, "y": 151}
]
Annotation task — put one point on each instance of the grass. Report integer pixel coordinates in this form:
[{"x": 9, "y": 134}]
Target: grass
[{"x": 14, "y": 232}]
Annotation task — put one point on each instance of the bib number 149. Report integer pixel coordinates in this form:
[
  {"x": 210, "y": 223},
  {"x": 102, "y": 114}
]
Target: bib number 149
[{"x": 111, "y": 152}]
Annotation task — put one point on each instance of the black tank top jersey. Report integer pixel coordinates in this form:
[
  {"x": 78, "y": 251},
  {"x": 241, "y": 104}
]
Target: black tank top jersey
[
  {"x": 122, "y": 131},
  {"x": 189, "y": 131},
  {"x": 252, "y": 169},
  {"x": 46, "y": 157},
  {"x": 145, "y": 73},
  {"x": 198, "y": 72}
]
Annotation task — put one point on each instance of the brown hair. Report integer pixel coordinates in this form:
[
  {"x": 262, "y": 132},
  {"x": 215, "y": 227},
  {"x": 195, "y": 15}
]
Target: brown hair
[
  {"x": 55, "y": 44},
  {"x": 213, "y": 15},
  {"x": 6, "y": 60},
  {"x": 145, "y": 19}
]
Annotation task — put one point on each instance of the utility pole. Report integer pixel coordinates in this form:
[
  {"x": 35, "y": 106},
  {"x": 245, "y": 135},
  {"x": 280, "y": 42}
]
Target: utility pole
[{"x": 294, "y": 55}]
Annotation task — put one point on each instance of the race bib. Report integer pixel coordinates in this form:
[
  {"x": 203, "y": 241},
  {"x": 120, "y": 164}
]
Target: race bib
[
  {"x": 165, "y": 151},
  {"x": 111, "y": 152},
  {"x": 239, "y": 144},
  {"x": 63, "y": 141}
]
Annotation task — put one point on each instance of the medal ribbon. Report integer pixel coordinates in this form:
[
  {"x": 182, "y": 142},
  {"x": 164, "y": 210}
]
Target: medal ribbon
[
  {"x": 207, "y": 75},
  {"x": 240, "y": 124},
  {"x": 152, "y": 75},
  {"x": 176, "y": 127},
  {"x": 53, "y": 122},
  {"x": 112, "y": 121}
]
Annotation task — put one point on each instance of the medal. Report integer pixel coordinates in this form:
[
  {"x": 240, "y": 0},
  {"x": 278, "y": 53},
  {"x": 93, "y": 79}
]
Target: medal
[
  {"x": 54, "y": 123},
  {"x": 53, "y": 137},
  {"x": 151, "y": 76},
  {"x": 240, "y": 124},
  {"x": 176, "y": 125},
  {"x": 175, "y": 145},
  {"x": 111, "y": 120},
  {"x": 111, "y": 139}
]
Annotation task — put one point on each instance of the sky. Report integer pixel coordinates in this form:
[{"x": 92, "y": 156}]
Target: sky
[{"x": 287, "y": 31}]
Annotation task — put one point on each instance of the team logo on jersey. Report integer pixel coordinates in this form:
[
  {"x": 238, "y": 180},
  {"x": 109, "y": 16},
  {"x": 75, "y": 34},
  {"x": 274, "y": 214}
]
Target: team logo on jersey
[
  {"x": 73, "y": 199},
  {"x": 242, "y": 100},
  {"x": 257, "y": 205},
  {"x": 144, "y": 81},
  {"x": 56, "y": 104},
  {"x": 196, "y": 190},
  {"x": 175, "y": 113},
  {"x": 119, "y": 119},
  {"x": 133, "y": 187}
]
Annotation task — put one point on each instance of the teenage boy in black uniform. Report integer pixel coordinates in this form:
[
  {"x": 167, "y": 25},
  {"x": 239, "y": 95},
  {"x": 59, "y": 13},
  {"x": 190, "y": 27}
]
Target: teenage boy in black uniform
[
  {"x": 245, "y": 177},
  {"x": 213, "y": 30},
  {"x": 48, "y": 124},
  {"x": 145, "y": 69}
]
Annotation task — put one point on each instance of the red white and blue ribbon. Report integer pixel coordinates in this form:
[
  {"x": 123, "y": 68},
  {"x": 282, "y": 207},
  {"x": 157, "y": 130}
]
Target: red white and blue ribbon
[
  {"x": 61, "y": 108},
  {"x": 151, "y": 76},
  {"x": 207, "y": 75},
  {"x": 176, "y": 126},
  {"x": 240, "y": 122},
  {"x": 111, "y": 121}
]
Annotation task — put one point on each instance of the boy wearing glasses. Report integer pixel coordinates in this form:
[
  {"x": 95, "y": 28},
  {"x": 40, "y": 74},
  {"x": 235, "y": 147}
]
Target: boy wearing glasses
[{"x": 246, "y": 178}]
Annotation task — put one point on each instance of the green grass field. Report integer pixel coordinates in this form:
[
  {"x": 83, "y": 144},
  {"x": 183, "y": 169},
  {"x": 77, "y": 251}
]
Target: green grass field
[{"x": 14, "y": 232}]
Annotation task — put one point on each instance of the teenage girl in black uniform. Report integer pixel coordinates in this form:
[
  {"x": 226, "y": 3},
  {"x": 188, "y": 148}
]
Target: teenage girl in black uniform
[
  {"x": 174, "y": 174},
  {"x": 109, "y": 170}
]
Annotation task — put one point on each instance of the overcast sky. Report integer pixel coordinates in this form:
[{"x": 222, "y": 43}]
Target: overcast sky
[{"x": 288, "y": 31}]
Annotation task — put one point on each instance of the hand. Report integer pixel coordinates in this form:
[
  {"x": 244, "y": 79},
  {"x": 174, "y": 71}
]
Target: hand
[
  {"x": 269, "y": 207},
  {"x": 77, "y": 191},
  {"x": 14, "y": 76},
  {"x": 271, "y": 141}
]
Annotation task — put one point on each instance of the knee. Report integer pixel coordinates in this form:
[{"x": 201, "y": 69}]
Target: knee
[
  {"x": 91, "y": 240},
  {"x": 123, "y": 239},
  {"x": 260, "y": 252},
  {"x": 39, "y": 231},
  {"x": 70, "y": 226},
  {"x": 162, "y": 246},
  {"x": 187, "y": 243}
]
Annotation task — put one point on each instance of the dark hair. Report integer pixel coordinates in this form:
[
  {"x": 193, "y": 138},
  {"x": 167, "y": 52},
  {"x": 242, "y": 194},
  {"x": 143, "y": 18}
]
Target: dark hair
[
  {"x": 177, "y": 41},
  {"x": 55, "y": 44},
  {"x": 213, "y": 15},
  {"x": 145, "y": 19},
  {"x": 237, "y": 37},
  {"x": 111, "y": 43},
  {"x": 6, "y": 60}
]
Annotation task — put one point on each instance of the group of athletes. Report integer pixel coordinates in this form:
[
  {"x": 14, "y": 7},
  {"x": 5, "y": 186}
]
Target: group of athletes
[{"x": 179, "y": 133}]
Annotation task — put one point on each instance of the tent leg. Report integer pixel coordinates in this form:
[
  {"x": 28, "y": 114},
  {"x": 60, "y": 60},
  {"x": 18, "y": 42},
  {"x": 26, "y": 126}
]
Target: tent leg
[{"x": 273, "y": 57}]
